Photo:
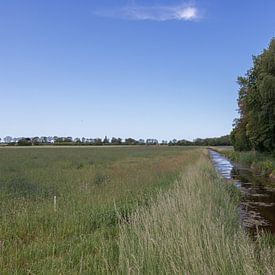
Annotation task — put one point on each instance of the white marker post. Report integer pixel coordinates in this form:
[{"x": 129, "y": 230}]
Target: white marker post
[{"x": 54, "y": 203}]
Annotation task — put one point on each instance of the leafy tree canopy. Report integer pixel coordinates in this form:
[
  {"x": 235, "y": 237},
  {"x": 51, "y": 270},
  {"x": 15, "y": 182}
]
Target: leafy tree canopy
[{"x": 255, "y": 129}]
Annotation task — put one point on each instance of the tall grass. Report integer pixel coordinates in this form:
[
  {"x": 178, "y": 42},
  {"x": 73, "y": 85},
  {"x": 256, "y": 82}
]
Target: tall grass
[
  {"x": 91, "y": 186},
  {"x": 192, "y": 229},
  {"x": 135, "y": 210}
]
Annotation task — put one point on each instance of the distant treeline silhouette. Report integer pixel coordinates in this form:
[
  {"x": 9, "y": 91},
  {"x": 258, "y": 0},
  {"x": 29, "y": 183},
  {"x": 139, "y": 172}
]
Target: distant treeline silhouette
[{"x": 34, "y": 141}]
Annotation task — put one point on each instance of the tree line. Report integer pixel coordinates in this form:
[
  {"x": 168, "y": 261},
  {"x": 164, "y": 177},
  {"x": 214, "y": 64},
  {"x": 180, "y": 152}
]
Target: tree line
[
  {"x": 255, "y": 128},
  {"x": 34, "y": 141}
]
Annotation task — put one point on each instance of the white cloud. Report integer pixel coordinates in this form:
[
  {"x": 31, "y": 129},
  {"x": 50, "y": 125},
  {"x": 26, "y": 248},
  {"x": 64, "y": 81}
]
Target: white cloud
[
  {"x": 189, "y": 13},
  {"x": 154, "y": 13}
]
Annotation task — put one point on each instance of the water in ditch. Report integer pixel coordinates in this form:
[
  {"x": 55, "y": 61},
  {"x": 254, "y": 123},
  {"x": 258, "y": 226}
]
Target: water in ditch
[{"x": 257, "y": 206}]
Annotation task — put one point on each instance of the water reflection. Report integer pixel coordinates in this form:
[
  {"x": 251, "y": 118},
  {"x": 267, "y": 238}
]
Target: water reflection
[{"x": 257, "y": 208}]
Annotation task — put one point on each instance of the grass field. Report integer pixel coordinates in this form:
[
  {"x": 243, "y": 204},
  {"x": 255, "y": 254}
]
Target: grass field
[
  {"x": 91, "y": 186},
  {"x": 135, "y": 210}
]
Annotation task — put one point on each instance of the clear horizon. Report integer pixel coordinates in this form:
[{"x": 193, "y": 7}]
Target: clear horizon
[{"x": 139, "y": 69}]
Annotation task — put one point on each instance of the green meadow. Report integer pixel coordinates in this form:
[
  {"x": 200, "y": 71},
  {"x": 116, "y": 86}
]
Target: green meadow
[
  {"x": 122, "y": 210},
  {"x": 92, "y": 185}
]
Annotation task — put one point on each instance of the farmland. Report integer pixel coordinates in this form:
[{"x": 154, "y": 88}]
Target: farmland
[
  {"x": 91, "y": 186},
  {"x": 151, "y": 209}
]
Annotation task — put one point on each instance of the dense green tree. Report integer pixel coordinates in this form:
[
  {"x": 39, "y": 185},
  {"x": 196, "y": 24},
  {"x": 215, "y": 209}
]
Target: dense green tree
[
  {"x": 239, "y": 138},
  {"x": 256, "y": 126},
  {"x": 215, "y": 141}
]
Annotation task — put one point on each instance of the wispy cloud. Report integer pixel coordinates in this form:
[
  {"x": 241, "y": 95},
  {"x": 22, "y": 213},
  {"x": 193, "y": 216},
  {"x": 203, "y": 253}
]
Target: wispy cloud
[{"x": 154, "y": 13}]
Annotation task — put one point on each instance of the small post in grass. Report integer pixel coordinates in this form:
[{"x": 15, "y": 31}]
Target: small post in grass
[{"x": 54, "y": 203}]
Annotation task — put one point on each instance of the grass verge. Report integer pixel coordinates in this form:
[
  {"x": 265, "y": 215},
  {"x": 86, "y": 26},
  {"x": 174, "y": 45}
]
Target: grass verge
[{"x": 192, "y": 229}]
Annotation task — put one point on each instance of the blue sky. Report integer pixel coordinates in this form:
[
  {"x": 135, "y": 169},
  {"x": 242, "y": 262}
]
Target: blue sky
[{"x": 162, "y": 69}]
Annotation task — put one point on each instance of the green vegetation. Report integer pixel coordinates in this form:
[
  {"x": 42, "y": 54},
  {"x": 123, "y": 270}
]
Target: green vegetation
[
  {"x": 193, "y": 229},
  {"x": 255, "y": 129},
  {"x": 69, "y": 141},
  {"x": 261, "y": 163},
  {"x": 92, "y": 184},
  {"x": 216, "y": 141},
  {"x": 121, "y": 210}
]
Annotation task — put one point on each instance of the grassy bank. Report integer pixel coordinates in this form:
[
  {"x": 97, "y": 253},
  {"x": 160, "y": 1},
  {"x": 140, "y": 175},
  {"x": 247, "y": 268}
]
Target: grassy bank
[
  {"x": 192, "y": 229},
  {"x": 91, "y": 186},
  {"x": 261, "y": 163}
]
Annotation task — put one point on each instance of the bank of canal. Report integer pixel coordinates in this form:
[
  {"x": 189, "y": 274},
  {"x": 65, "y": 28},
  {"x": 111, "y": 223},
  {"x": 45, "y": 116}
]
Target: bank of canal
[{"x": 257, "y": 206}]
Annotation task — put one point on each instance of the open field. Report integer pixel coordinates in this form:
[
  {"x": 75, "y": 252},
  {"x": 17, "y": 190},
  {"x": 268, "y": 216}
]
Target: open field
[
  {"x": 91, "y": 185},
  {"x": 121, "y": 210}
]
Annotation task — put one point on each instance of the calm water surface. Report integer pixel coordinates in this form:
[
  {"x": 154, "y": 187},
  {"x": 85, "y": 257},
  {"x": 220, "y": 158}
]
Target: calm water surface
[{"x": 257, "y": 207}]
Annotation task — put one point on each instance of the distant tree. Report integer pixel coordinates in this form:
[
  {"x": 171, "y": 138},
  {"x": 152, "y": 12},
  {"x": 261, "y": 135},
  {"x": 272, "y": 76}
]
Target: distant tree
[
  {"x": 130, "y": 141},
  {"x": 141, "y": 141},
  {"x": 116, "y": 141},
  {"x": 8, "y": 139},
  {"x": 198, "y": 141},
  {"x": 172, "y": 142},
  {"x": 151, "y": 141},
  {"x": 68, "y": 139},
  {"x": 44, "y": 140},
  {"x": 25, "y": 142},
  {"x": 98, "y": 141},
  {"x": 77, "y": 140},
  {"x": 184, "y": 142},
  {"x": 36, "y": 141},
  {"x": 106, "y": 140}
]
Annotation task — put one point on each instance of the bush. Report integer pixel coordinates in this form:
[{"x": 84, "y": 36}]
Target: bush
[
  {"x": 262, "y": 167},
  {"x": 248, "y": 158},
  {"x": 234, "y": 156}
]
